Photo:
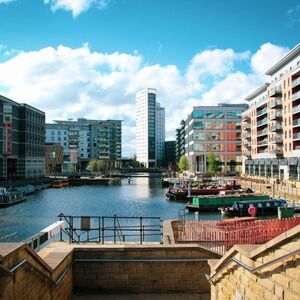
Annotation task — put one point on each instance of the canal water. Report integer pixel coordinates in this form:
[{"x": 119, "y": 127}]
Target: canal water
[{"x": 142, "y": 197}]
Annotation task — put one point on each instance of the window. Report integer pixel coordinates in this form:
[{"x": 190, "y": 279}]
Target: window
[{"x": 198, "y": 114}]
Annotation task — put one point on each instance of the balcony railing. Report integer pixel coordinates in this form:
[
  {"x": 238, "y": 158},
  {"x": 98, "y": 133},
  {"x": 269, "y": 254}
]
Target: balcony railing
[
  {"x": 275, "y": 91},
  {"x": 277, "y": 151},
  {"x": 262, "y": 122},
  {"x": 246, "y": 153},
  {"x": 276, "y": 139},
  {"x": 262, "y": 132},
  {"x": 296, "y": 96},
  {"x": 275, "y": 115},
  {"x": 247, "y": 144},
  {"x": 263, "y": 142},
  {"x": 296, "y": 122},
  {"x": 261, "y": 112},
  {"x": 275, "y": 102},
  {"x": 296, "y": 136},
  {"x": 296, "y": 82},
  {"x": 275, "y": 127},
  {"x": 296, "y": 109},
  {"x": 246, "y": 135}
]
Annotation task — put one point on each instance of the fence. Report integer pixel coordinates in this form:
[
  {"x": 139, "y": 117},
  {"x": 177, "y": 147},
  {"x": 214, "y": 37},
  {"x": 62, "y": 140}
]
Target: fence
[
  {"x": 101, "y": 229},
  {"x": 220, "y": 236}
]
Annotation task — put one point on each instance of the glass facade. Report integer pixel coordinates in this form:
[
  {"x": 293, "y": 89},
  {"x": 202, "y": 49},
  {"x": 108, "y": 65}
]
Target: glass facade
[{"x": 218, "y": 130}]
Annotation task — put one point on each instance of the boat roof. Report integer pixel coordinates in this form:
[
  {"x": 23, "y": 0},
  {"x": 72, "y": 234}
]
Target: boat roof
[{"x": 259, "y": 201}]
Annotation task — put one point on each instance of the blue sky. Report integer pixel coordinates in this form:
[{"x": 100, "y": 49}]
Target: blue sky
[{"x": 75, "y": 58}]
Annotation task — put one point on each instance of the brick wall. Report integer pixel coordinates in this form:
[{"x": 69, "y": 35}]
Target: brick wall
[
  {"x": 277, "y": 281},
  {"x": 143, "y": 270},
  {"x": 34, "y": 279}
]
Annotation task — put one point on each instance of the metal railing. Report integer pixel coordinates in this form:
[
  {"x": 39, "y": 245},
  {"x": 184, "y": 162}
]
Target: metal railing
[{"x": 101, "y": 229}]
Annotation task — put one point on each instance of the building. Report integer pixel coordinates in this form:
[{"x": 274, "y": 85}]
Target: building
[
  {"x": 271, "y": 126},
  {"x": 54, "y": 158},
  {"x": 150, "y": 129},
  {"x": 217, "y": 130},
  {"x": 22, "y": 140},
  {"x": 84, "y": 139},
  {"x": 160, "y": 134},
  {"x": 180, "y": 142},
  {"x": 170, "y": 155}
]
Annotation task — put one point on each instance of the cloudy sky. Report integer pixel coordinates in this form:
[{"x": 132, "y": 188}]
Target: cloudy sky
[{"x": 88, "y": 58}]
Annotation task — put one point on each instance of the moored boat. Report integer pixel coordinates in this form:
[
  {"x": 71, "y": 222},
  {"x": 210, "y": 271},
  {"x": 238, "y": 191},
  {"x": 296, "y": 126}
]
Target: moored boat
[
  {"x": 250, "y": 207},
  {"x": 223, "y": 199},
  {"x": 59, "y": 183},
  {"x": 182, "y": 193},
  {"x": 9, "y": 198}
]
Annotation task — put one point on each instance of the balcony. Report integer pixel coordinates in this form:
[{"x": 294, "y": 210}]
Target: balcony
[
  {"x": 245, "y": 118},
  {"x": 277, "y": 139},
  {"x": 296, "y": 109},
  {"x": 277, "y": 151},
  {"x": 247, "y": 127},
  {"x": 261, "y": 112},
  {"x": 275, "y": 91},
  {"x": 262, "y": 132},
  {"x": 296, "y": 96},
  {"x": 275, "y": 127},
  {"x": 275, "y": 102},
  {"x": 296, "y": 82},
  {"x": 275, "y": 114},
  {"x": 263, "y": 142},
  {"x": 247, "y": 144},
  {"x": 296, "y": 136},
  {"x": 296, "y": 123},
  {"x": 262, "y": 151},
  {"x": 262, "y": 122},
  {"x": 246, "y": 135},
  {"x": 247, "y": 153}
]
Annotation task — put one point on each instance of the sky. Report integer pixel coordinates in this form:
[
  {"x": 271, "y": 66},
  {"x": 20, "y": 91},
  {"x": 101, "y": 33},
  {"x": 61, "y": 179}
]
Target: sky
[{"x": 88, "y": 58}]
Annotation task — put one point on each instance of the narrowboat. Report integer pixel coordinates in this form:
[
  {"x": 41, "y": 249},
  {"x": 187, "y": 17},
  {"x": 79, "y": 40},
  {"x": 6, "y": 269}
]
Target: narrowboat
[
  {"x": 250, "y": 207},
  {"x": 224, "y": 199},
  {"x": 59, "y": 183},
  {"x": 9, "y": 198},
  {"x": 182, "y": 193}
]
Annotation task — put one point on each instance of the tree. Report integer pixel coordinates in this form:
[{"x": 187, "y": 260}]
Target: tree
[
  {"x": 183, "y": 163},
  {"x": 134, "y": 163},
  {"x": 213, "y": 164},
  {"x": 101, "y": 165},
  {"x": 93, "y": 165}
]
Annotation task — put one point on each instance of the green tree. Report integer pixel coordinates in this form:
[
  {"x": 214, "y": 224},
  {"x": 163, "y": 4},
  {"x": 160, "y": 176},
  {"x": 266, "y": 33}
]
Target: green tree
[
  {"x": 101, "y": 165},
  {"x": 93, "y": 165},
  {"x": 183, "y": 163},
  {"x": 134, "y": 163},
  {"x": 213, "y": 164}
]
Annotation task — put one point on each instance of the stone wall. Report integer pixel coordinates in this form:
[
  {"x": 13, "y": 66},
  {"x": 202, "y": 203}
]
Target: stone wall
[
  {"x": 173, "y": 269},
  {"x": 243, "y": 272},
  {"x": 34, "y": 279}
]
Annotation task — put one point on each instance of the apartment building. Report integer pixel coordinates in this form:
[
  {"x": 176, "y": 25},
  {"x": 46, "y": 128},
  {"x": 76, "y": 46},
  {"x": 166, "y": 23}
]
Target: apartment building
[
  {"x": 217, "y": 130},
  {"x": 180, "y": 143},
  {"x": 271, "y": 125},
  {"x": 22, "y": 140},
  {"x": 84, "y": 139},
  {"x": 150, "y": 129}
]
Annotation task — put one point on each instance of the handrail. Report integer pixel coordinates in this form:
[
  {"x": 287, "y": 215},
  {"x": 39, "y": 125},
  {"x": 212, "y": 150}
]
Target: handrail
[{"x": 256, "y": 269}]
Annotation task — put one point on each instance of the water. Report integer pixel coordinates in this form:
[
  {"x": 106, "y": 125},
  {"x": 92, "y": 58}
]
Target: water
[{"x": 143, "y": 197}]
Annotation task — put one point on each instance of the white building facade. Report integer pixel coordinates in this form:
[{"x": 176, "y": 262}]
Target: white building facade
[{"x": 150, "y": 128}]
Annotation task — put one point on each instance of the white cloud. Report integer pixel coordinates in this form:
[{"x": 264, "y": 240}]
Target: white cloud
[
  {"x": 72, "y": 83},
  {"x": 267, "y": 55},
  {"x": 76, "y": 6},
  {"x": 215, "y": 62}
]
